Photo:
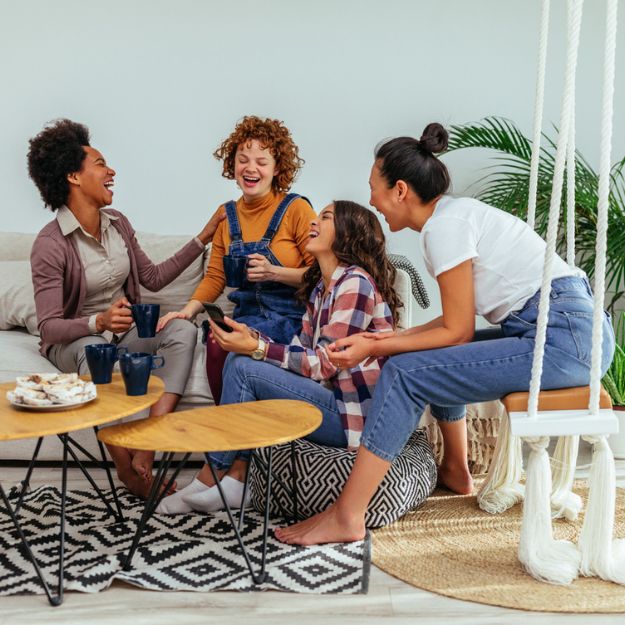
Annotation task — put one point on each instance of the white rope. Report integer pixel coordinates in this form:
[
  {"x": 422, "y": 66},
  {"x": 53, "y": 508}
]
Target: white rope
[
  {"x": 602, "y": 204},
  {"x": 574, "y": 11},
  {"x": 564, "y": 502},
  {"x": 570, "y": 192},
  {"x": 601, "y": 555},
  {"x": 538, "y": 113},
  {"x": 546, "y": 559}
]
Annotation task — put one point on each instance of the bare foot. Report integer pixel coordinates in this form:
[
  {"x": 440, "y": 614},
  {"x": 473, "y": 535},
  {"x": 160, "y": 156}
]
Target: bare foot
[
  {"x": 329, "y": 526},
  {"x": 139, "y": 486},
  {"x": 456, "y": 479},
  {"x": 135, "y": 483},
  {"x": 142, "y": 462}
]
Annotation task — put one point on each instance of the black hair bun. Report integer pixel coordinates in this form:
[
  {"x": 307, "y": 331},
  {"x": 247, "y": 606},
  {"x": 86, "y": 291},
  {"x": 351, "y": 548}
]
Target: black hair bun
[{"x": 434, "y": 139}]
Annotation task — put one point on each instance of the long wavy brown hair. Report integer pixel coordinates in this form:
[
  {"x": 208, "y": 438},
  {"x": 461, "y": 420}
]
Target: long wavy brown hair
[
  {"x": 358, "y": 240},
  {"x": 271, "y": 134}
]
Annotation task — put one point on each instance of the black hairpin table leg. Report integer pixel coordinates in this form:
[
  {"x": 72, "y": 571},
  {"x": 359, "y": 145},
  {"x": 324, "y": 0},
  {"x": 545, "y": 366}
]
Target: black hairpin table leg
[
  {"x": 150, "y": 504},
  {"x": 58, "y": 599},
  {"x": 257, "y": 578}
]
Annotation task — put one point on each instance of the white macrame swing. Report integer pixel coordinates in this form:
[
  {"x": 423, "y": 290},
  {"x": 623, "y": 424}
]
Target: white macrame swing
[{"x": 567, "y": 413}]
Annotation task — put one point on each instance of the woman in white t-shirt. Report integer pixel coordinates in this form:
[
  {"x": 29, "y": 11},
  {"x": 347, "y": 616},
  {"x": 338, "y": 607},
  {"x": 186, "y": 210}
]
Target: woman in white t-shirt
[{"x": 486, "y": 262}]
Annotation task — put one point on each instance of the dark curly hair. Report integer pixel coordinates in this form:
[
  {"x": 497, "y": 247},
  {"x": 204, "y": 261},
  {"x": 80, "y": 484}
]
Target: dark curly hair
[
  {"x": 270, "y": 133},
  {"x": 53, "y": 154},
  {"x": 358, "y": 240}
]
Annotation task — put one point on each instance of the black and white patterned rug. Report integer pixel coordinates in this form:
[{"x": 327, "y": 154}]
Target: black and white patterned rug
[{"x": 193, "y": 552}]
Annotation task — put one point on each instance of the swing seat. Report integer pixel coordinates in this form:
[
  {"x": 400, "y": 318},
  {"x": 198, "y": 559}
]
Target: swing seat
[{"x": 561, "y": 412}]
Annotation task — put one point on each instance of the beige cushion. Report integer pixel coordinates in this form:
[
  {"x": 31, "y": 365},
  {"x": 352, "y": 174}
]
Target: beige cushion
[
  {"x": 17, "y": 303},
  {"x": 15, "y": 245},
  {"x": 175, "y": 295}
]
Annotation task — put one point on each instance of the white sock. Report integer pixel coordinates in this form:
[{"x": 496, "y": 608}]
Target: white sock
[
  {"x": 209, "y": 499},
  {"x": 175, "y": 504}
]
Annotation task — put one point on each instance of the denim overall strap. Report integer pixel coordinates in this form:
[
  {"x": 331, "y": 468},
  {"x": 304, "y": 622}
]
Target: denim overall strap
[
  {"x": 234, "y": 227},
  {"x": 274, "y": 224}
]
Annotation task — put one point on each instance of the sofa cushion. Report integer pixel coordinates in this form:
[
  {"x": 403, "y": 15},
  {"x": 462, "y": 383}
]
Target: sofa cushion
[
  {"x": 17, "y": 304},
  {"x": 16, "y": 245},
  {"x": 175, "y": 295},
  {"x": 20, "y": 355},
  {"x": 321, "y": 473}
]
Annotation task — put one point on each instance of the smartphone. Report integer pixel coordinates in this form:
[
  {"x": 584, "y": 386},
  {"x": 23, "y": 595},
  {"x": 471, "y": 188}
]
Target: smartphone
[{"x": 217, "y": 315}]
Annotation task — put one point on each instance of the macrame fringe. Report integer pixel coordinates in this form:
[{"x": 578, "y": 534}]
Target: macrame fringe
[
  {"x": 565, "y": 504},
  {"x": 502, "y": 488},
  {"x": 482, "y": 431},
  {"x": 600, "y": 554},
  {"x": 546, "y": 559}
]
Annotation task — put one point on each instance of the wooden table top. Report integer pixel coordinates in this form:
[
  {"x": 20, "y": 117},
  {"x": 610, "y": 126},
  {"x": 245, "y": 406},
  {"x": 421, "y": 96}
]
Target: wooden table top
[
  {"x": 111, "y": 403},
  {"x": 218, "y": 428}
]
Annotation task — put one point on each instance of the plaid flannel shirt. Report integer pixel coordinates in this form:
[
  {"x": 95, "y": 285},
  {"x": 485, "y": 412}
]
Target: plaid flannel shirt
[{"x": 353, "y": 304}]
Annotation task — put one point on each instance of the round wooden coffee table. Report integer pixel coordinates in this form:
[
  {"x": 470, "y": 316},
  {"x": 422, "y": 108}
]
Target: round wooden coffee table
[
  {"x": 16, "y": 423},
  {"x": 216, "y": 428}
]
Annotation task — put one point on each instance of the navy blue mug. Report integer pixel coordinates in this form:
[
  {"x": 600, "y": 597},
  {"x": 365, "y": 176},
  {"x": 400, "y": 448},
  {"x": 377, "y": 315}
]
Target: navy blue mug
[
  {"x": 235, "y": 270},
  {"x": 136, "y": 368},
  {"x": 101, "y": 357},
  {"x": 145, "y": 317}
]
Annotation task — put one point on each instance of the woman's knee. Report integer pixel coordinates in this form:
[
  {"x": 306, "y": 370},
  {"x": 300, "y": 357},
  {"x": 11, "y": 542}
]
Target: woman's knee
[
  {"x": 236, "y": 364},
  {"x": 184, "y": 331}
]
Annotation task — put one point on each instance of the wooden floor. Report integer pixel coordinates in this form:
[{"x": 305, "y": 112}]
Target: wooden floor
[{"x": 389, "y": 600}]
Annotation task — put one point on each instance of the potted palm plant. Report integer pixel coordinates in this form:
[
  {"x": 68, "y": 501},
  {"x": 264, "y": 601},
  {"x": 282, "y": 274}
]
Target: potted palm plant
[
  {"x": 506, "y": 186},
  {"x": 614, "y": 383}
]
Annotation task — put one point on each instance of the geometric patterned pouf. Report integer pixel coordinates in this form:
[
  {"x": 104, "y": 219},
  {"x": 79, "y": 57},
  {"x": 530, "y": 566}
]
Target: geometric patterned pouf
[{"x": 323, "y": 471}]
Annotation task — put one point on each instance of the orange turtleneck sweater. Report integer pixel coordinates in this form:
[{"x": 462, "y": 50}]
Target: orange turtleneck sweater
[{"x": 254, "y": 217}]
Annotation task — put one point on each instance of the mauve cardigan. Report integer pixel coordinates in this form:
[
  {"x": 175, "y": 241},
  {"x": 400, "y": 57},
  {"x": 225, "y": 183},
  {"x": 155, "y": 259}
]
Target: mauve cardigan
[{"x": 59, "y": 278}]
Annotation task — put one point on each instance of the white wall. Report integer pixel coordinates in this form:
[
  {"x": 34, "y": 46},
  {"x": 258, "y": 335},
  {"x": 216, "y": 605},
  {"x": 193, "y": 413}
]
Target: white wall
[{"x": 161, "y": 83}]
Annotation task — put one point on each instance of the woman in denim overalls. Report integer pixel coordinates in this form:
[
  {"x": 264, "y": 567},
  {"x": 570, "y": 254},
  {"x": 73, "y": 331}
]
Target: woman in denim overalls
[
  {"x": 258, "y": 248},
  {"x": 486, "y": 262},
  {"x": 268, "y": 306}
]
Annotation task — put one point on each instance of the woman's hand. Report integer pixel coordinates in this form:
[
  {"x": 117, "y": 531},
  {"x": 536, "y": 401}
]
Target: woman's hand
[
  {"x": 208, "y": 232},
  {"x": 165, "y": 319},
  {"x": 259, "y": 268},
  {"x": 117, "y": 318},
  {"x": 241, "y": 340},
  {"x": 192, "y": 308},
  {"x": 352, "y": 350}
]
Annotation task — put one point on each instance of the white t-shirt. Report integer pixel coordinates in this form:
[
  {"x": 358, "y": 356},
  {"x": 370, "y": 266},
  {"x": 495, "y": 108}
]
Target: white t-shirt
[{"x": 507, "y": 254}]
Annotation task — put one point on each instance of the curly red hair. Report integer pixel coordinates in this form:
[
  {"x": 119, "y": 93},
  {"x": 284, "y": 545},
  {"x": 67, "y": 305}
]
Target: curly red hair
[{"x": 270, "y": 133}]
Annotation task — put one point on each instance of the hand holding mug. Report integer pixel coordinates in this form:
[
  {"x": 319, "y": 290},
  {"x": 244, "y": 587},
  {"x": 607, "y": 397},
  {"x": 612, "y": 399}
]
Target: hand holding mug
[
  {"x": 146, "y": 318},
  {"x": 117, "y": 318},
  {"x": 260, "y": 269}
]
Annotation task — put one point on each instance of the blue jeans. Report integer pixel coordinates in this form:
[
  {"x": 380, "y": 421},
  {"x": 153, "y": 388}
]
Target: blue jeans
[
  {"x": 483, "y": 370},
  {"x": 248, "y": 380}
]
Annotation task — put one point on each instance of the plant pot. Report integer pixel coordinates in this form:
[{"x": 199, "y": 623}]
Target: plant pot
[{"x": 617, "y": 441}]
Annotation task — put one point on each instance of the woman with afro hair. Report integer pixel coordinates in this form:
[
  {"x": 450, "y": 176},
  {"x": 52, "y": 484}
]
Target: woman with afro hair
[
  {"x": 269, "y": 227},
  {"x": 87, "y": 267}
]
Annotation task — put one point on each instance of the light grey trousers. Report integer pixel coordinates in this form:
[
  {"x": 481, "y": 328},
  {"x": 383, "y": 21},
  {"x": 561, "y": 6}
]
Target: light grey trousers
[{"x": 175, "y": 343}]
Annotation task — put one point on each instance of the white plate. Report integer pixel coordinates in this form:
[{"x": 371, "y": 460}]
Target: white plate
[{"x": 51, "y": 408}]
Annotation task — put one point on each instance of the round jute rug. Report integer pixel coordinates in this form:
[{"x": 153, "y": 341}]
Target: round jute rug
[{"x": 451, "y": 547}]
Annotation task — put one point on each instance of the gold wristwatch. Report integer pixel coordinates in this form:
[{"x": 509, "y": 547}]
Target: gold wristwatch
[{"x": 259, "y": 352}]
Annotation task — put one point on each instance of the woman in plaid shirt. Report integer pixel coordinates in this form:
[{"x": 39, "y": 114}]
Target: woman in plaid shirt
[{"x": 349, "y": 289}]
